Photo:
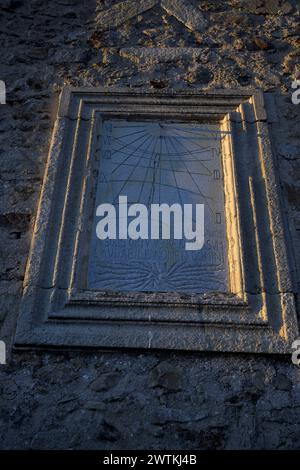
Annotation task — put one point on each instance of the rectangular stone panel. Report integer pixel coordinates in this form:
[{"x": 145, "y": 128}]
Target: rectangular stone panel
[{"x": 155, "y": 163}]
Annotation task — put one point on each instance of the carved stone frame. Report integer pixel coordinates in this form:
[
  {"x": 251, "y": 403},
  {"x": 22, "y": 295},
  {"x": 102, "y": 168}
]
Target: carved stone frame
[{"x": 258, "y": 313}]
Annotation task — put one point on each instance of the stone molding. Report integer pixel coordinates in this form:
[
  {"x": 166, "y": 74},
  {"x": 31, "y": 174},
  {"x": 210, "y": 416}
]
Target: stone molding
[{"x": 182, "y": 10}]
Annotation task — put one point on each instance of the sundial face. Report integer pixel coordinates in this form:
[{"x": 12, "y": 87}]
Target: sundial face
[{"x": 153, "y": 163}]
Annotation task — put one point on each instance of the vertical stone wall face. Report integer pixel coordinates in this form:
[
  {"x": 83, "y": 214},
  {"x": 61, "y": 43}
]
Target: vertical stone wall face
[{"x": 108, "y": 400}]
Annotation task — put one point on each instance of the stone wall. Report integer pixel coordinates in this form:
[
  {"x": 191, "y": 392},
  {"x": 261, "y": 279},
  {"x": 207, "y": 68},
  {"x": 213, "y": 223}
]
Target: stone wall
[{"x": 134, "y": 400}]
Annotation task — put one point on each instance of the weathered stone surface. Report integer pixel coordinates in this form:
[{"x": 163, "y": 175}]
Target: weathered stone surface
[{"x": 166, "y": 376}]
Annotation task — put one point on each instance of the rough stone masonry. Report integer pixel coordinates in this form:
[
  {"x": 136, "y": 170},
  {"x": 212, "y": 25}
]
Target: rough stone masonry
[{"x": 130, "y": 400}]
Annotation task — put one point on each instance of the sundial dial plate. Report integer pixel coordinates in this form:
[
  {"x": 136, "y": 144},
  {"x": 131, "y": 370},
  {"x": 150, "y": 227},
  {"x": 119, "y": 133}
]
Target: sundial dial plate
[{"x": 154, "y": 163}]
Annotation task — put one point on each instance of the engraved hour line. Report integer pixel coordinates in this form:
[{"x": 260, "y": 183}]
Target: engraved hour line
[
  {"x": 216, "y": 134},
  {"x": 173, "y": 280},
  {"x": 126, "y": 181},
  {"x": 205, "y": 197},
  {"x": 195, "y": 140},
  {"x": 214, "y": 138},
  {"x": 190, "y": 160},
  {"x": 174, "y": 176},
  {"x": 137, "y": 126},
  {"x": 159, "y": 163},
  {"x": 188, "y": 151},
  {"x": 167, "y": 169},
  {"x": 183, "y": 160},
  {"x": 146, "y": 273},
  {"x": 129, "y": 156},
  {"x": 155, "y": 168},
  {"x": 115, "y": 140},
  {"x": 163, "y": 184},
  {"x": 155, "y": 155}
]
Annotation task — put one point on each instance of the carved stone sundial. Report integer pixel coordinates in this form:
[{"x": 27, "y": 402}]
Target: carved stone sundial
[
  {"x": 175, "y": 147},
  {"x": 154, "y": 163}
]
